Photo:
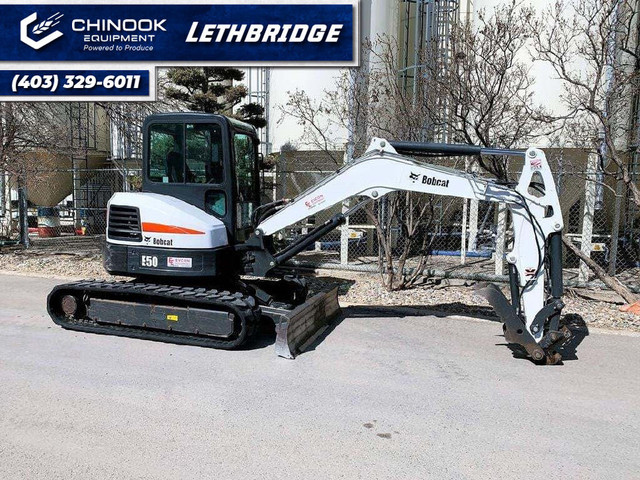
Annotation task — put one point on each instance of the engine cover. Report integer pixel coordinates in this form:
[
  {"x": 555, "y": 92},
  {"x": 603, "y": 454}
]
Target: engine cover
[{"x": 162, "y": 221}]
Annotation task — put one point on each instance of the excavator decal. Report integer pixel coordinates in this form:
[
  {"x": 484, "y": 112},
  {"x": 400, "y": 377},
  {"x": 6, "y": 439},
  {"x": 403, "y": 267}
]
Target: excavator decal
[
  {"x": 427, "y": 180},
  {"x": 149, "y": 227}
]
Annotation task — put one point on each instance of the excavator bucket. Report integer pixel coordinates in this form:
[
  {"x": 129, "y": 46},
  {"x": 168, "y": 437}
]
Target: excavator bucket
[
  {"x": 296, "y": 329},
  {"x": 515, "y": 331}
]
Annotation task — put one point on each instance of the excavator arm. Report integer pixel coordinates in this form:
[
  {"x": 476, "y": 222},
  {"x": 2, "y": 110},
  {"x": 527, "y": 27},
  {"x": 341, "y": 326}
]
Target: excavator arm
[{"x": 531, "y": 318}]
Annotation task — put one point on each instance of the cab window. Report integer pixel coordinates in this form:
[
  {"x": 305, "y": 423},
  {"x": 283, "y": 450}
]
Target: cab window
[
  {"x": 190, "y": 153},
  {"x": 204, "y": 153},
  {"x": 166, "y": 159}
]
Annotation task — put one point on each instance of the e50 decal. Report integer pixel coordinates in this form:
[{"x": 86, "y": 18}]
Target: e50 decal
[{"x": 149, "y": 261}]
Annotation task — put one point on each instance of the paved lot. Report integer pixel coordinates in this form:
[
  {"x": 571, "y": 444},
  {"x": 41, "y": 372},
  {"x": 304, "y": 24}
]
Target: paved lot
[{"x": 382, "y": 396}]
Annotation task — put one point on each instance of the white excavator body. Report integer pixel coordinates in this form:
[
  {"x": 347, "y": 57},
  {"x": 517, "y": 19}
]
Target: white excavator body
[{"x": 194, "y": 225}]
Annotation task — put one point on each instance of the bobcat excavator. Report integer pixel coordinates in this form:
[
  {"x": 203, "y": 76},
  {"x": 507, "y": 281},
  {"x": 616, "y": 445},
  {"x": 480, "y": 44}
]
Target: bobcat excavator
[{"x": 207, "y": 265}]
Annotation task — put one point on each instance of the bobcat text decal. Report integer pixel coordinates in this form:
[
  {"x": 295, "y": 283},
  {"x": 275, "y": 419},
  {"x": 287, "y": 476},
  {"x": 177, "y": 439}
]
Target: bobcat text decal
[{"x": 429, "y": 180}]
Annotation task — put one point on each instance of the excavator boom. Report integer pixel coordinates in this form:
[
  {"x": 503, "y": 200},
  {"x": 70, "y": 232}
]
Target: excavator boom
[{"x": 532, "y": 319}]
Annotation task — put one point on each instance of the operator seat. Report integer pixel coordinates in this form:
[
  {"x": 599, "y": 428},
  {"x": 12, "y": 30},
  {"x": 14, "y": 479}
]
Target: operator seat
[{"x": 175, "y": 167}]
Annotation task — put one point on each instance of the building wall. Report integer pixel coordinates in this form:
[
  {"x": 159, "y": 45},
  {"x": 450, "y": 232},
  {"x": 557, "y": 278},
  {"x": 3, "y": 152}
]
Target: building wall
[
  {"x": 50, "y": 187},
  {"x": 376, "y": 17}
]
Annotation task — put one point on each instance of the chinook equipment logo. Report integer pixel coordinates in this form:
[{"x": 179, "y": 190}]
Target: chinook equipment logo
[{"x": 39, "y": 29}]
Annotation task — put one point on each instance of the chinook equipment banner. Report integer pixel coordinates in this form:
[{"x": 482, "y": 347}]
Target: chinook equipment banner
[
  {"x": 161, "y": 33},
  {"x": 78, "y": 50}
]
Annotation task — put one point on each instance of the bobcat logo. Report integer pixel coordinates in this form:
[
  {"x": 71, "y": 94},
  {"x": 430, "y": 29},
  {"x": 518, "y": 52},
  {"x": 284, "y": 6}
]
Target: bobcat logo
[
  {"x": 147, "y": 239},
  {"x": 414, "y": 176}
]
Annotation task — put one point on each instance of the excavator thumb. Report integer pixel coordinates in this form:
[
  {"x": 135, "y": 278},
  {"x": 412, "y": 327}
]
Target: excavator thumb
[{"x": 296, "y": 329}]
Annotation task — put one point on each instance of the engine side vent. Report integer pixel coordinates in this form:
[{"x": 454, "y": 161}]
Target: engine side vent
[{"x": 124, "y": 223}]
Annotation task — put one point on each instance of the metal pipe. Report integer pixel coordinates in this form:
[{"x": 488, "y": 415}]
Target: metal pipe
[
  {"x": 451, "y": 149},
  {"x": 23, "y": 214},
  {"x": 478, "y": 277},
  {"x": 555, "y": 264},
  {"x": 317, "y": 233},
  {"x": 308, "y": 239}
]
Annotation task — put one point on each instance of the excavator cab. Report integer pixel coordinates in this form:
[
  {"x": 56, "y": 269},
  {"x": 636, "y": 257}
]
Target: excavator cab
[{"x": 208, "y": 161}]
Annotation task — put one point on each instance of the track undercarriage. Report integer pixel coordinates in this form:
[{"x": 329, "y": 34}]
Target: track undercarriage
[{"x": 206, "y": 317}]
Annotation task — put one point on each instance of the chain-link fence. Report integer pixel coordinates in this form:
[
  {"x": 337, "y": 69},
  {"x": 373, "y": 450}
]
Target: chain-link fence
[
  {"x": 60, "y": 208},
  {"x": 417, "y": 234},
  {"x": 442, "y": 236},
  {"x": 9, "y": 210}
]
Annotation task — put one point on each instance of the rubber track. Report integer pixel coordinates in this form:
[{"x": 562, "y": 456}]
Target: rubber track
[{"x": 244, "y": 308}]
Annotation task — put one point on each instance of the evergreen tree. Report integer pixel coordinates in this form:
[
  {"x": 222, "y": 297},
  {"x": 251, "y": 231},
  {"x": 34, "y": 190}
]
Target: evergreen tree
[{"x": 214, "y": 90}]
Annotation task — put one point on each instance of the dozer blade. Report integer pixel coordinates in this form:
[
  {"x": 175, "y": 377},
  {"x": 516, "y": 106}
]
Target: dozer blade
[{"x": 297, "y": 329}]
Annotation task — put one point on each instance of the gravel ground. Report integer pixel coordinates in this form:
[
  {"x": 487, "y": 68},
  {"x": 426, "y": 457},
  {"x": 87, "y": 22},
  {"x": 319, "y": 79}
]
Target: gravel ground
[
  {"x": 84, "y": 265},
  {"x": 597, "y": 308}
]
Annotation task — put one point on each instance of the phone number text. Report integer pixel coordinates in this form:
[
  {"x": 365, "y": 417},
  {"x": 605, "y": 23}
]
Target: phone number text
[
  {"x": 51, "y": 82},
  {"x": 45, "y": 85}
]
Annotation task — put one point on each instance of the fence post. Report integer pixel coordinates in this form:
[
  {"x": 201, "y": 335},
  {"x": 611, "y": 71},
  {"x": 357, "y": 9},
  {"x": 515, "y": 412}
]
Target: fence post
[
  {"x": 615, "y": 228},
  {"x": 500, "y": 237},
  {"x": 588, "y": 213},
  {"x": 463, "y": 229},
  {"x": 463, "y": 234},
  {"x": 23, "y": 215},
  {"x": 473, "y": 218},
  {"x": 473, "y": 225},
  {"x": 3, "y": 193},
  {"x": 344, "y": 236},
  {"x": 344, "y": 229}
]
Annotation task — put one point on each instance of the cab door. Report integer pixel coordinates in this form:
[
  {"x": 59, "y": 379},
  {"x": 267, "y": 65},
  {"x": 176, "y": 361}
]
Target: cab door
[
  {"x": 187, "y": 157},
  {"x": 247, "y": 185}
]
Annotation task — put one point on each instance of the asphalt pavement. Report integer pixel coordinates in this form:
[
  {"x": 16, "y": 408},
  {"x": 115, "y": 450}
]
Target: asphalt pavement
[{"x": 384, "y": 395}]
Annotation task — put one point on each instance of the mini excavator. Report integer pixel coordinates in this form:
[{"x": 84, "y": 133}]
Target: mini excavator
[{"x": 206, "y": 267}]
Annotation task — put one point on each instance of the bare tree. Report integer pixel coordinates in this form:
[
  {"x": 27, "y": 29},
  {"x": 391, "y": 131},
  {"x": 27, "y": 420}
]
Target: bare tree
[
  {"x": 593, "y": 48},
  {"x": 484, "y": 95},
  {"x": 479, "y": 91},
  {"x": 27, "y": 131},
  {"x": 33, "y": 138},
  {"x": 320, "y": 119}
]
